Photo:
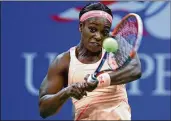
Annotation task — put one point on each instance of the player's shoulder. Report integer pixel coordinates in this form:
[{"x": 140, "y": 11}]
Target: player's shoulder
[
  {"x": 63, "y": 59},
  {"x": 66, "y": 54},
  {"x": 63, "y": 56}
]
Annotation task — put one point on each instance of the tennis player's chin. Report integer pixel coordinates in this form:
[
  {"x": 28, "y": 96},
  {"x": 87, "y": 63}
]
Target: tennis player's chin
[{"x": 95, "y": 49}]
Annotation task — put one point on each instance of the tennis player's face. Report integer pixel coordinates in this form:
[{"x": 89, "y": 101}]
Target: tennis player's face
[{"x": 93, "y": 32}]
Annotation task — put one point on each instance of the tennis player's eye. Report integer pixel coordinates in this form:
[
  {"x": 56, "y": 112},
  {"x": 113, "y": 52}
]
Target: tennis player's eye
[
  {"x": 92, "y": 29},
  {"x": 106, "y": 33}
]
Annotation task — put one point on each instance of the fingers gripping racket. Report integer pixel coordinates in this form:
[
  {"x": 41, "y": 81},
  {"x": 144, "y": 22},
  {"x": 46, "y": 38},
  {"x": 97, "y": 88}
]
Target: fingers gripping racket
[{"x": 128, "y": 34}]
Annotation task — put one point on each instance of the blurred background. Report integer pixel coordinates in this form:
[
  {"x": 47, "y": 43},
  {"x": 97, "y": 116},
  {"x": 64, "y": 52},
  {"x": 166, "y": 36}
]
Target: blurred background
[{"x": 33, "y": 33}]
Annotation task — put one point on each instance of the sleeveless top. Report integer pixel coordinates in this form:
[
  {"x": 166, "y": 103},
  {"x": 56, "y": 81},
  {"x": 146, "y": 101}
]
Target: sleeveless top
[{"x": 101, "y": 95}]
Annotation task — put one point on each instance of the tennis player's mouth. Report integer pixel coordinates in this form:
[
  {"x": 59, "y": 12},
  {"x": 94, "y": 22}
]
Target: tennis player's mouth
[{"x": 95, "y": 44}]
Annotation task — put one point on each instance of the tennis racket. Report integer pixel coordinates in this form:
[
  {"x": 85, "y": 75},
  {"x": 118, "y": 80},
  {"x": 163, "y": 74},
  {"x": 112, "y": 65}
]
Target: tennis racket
[{"x": 128, "y": 34}]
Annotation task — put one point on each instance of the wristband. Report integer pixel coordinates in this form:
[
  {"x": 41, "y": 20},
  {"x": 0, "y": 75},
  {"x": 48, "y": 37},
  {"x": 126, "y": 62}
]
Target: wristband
[{"x": 104, "y": 80}]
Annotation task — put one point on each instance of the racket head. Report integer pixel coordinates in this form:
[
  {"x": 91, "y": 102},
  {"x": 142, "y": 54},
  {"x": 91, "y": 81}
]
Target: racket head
[
  {"x": 130, "y": 28},
  {"x": 128, "y": 34}
]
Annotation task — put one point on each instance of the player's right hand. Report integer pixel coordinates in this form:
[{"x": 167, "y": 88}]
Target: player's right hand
[
  {"x": 76, "y": 90},
  {"x": 91, "y": 82}
]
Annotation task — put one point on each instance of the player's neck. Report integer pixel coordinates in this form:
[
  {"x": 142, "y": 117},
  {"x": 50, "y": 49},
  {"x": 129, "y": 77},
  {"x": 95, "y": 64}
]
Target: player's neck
[{"x": 82, "y": 51}]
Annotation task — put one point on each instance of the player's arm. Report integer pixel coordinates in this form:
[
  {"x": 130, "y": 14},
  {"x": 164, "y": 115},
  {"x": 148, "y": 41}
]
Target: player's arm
[
  {"x": 129, "y": 73},
  {"x": 53, "y": 91},
  {"x": 52, "y": 94}
]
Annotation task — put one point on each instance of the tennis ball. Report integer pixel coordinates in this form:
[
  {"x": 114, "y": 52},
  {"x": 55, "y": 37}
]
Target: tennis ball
[{"x": 110, "y": 44}]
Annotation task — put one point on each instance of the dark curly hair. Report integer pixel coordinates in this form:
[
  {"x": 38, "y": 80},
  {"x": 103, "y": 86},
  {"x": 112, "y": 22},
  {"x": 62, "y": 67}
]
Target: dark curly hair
[{"x": 95, "y": 6}]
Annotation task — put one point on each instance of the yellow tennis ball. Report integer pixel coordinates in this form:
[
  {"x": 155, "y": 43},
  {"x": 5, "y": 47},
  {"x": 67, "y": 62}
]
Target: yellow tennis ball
[{"x": 110, "y": 44}]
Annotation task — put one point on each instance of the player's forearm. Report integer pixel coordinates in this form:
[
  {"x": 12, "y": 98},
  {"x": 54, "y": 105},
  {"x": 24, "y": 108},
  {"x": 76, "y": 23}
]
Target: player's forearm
[
  {"x": 127, "y": 74},
  {"x": 50, "y": 104}
]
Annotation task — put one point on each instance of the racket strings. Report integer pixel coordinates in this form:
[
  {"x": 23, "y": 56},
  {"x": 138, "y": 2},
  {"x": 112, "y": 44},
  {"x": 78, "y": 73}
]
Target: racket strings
[
  {"x": 129, "y": 29},
  {"x": 124, "y": 50},
  {"x": 127, "y": 35},
  {"x": 126, "y": 39}
]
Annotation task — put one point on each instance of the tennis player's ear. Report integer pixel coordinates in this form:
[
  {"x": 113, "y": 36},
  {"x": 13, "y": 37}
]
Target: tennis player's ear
[{"x": 80, "y": 26}]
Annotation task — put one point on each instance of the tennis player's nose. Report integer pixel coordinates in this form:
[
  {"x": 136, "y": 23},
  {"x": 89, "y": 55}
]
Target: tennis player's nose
[{"x": 98, "y": 36}]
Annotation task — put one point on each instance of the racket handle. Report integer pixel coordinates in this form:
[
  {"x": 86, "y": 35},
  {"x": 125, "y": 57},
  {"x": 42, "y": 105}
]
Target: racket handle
[{"x": 92, "y": 78}]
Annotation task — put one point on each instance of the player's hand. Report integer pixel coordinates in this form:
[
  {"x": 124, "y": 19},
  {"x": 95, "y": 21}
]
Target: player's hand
[
  {"x": 76, "y": 90},
  {"x": 91, "y": 82}
]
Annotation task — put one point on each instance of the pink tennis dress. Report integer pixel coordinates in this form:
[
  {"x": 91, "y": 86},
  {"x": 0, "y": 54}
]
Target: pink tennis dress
[{"x": 103, "y": 103}]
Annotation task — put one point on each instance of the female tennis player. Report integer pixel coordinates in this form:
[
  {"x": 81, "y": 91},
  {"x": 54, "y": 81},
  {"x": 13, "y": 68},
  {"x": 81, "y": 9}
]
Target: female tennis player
[{"x": 68, "y": 74}]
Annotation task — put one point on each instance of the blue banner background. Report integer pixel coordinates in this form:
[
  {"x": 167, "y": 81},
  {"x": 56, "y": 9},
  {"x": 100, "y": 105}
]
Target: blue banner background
[{"x": 30, "y": 39}]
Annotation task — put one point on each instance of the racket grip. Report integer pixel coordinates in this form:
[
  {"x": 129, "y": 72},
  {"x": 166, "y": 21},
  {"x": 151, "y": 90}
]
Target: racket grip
[{"x": 92, "y": 78}]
